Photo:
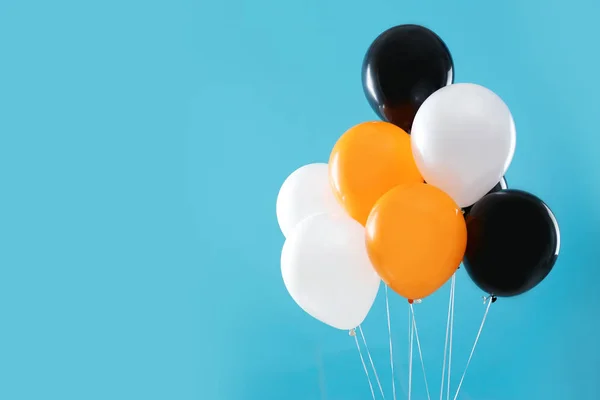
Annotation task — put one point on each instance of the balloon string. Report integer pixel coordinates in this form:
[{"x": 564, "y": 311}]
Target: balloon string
[
  {"x": 453, "y": 287},
  {"x": 446, "y": 339},
  {"x": 362, "y": 360},
  {"x": 412, "y": 309},
  {"x": 371, "y": 361},
  {"x": 487, "y": 309},
  {"x": 411, "y": 329},
  {"x": 387, "y": 308}
]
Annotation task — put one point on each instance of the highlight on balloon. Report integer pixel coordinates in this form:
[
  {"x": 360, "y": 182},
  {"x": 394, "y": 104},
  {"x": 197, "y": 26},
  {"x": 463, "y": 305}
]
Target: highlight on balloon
[{"x": 409, "y": 197}]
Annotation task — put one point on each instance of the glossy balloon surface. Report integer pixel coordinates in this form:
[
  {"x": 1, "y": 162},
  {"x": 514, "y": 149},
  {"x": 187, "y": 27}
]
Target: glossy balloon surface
[
  {"x": 513, "y": 241},
  {"x": 499, "y": 186},
  {"x": 402, "y": 68},
  {"x": 366, "y": 162},
  {"x": 416, "y": 239}
]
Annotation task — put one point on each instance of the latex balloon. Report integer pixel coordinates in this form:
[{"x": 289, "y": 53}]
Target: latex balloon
[
  {"x": 513, "y": 242},
  {"x": 416, "y": 238},
  {"x": 404, "y": 66},
  {"x": 304, "y": 193},
  {"x": 367, "y": 161},
  {"x": 499, "y": 186},
  {"x": 327, "y": 271},
  {"x": 463, "y": 141}
]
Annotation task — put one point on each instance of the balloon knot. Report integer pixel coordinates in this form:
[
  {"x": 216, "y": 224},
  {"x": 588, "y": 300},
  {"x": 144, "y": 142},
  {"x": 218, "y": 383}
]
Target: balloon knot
[
  {"x": 494, "y": 298},
  {"x": 410, "y": 301},
  {"x": 352, "y": 332}
]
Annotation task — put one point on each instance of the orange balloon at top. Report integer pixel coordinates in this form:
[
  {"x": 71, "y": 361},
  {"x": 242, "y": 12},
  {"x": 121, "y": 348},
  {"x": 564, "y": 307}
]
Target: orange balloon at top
[
  {"x": 416, "y": 239},
  {"x": 367, "y": 161}
]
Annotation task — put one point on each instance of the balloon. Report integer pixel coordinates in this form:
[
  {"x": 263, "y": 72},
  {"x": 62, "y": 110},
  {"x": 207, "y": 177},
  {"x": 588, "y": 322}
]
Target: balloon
[
  {"x": 463, "y": 141},
  {"x": 513, "y": 242},
  {"x": 327, "y": 271},
  {"x": 367, "y": 161},
  {"x": 304, "y": 193},
  {"x": 416, "y": 239},
  {"x": 403, "y": 67},
  {"x": 499, "y": 186}
]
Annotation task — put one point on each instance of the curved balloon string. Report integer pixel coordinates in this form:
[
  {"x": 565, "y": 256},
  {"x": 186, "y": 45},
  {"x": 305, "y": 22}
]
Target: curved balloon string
[
  {"x": 450, "y": 340},
  {"x": 362, "y": 360},
  {"x": 419, "y": 349},
  {"x": 387, "y": 309},
  {"x": 411, "y": 328},
  {"x": 371, "y": 361},
  {"x": 447, "y": 333},
  {"x": 489, "y": 301}
]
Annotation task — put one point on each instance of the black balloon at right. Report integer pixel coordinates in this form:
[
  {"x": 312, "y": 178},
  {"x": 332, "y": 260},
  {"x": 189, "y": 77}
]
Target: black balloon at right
[
  {"x": 401, "y": 69},
  {"x": 513, "y": 241}
]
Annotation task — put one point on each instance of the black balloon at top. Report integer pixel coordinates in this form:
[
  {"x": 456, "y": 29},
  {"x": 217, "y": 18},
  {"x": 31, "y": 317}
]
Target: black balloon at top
[{"x": 404, "y": 66}]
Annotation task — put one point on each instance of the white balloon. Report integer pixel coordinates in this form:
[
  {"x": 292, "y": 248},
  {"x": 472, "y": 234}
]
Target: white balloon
[
  {"x": 304, "y": 193},
  {"x": 327, "y": 271},
  {"x": 463, "y": 140}
]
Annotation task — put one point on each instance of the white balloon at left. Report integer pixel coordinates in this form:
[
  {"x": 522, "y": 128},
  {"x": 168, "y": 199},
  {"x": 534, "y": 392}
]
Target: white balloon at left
[
  {"x": 327, "y": 271},
  {"x": 306, "y": 192}
]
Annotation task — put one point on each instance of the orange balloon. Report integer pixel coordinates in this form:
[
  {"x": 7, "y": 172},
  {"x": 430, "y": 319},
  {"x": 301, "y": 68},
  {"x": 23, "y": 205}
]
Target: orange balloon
[
  {"x": 416, "y": 239},
  {"x": 367, "y": 161}
]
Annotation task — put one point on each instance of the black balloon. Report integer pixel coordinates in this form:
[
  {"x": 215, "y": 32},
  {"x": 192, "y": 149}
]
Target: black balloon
[
  {"x": 499, "y": 186},
  {"x": 512, "y": 242},
  {"x": 404, "y": 66}
]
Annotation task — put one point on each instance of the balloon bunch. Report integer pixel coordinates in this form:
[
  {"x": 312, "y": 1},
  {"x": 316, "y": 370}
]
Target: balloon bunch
[{"x": 407, "y": 199}]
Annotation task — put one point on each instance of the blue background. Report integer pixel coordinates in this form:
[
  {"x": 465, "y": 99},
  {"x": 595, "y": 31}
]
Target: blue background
[{"x": 142, "y": 145}]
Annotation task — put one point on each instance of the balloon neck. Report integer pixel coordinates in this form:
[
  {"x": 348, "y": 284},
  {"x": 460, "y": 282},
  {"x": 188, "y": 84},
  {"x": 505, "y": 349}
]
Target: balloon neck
[
  {"x": 410, "y": 301},
  {"x": 491, "y": 298},
  {"x": 352, "y": 332}
]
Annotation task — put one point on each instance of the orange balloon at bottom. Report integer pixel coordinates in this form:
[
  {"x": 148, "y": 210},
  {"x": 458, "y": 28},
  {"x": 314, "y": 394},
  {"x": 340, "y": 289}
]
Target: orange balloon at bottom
[{"x": 416, "y": 239}]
